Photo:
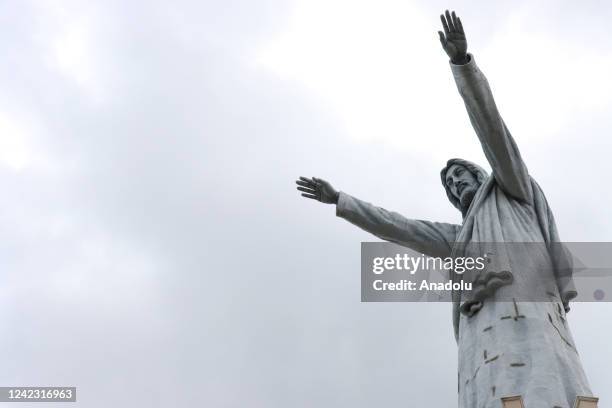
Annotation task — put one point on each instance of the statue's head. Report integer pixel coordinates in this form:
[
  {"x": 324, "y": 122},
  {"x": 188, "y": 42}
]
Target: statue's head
[{"x": 461, "y": 180}]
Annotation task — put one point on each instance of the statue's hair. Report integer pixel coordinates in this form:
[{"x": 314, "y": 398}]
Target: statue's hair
[{"x": 480, "y": 174}]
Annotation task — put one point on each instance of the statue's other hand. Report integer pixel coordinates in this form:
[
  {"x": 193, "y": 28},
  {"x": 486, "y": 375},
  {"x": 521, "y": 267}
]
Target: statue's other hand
[
  {"x": 317, "y": 189},
  {"x": 453, "y": 38}
]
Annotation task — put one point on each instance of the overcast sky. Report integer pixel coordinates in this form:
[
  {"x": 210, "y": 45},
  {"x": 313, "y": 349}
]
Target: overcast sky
[{"x": 155, "y": 252}]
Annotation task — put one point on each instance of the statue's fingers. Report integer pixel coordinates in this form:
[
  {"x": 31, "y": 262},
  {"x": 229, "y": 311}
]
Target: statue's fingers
[
  {"x": 460, "y": 26},
  {"x": 314, "y": 197},
  {"x": 306, "y": 179},
  {"x": 307, "y": 190},
  {"x": 305, "y": 184},
  {"x": 444, "y": 25},
  {"x": 442, "y": 38},
  {"x": 454, "y": 20},
  {"x": 449, "y": 20}
]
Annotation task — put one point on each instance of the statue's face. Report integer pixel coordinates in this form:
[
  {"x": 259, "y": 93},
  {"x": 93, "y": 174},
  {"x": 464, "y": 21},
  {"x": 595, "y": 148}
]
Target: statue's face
[{"x": 462, "y": 184}]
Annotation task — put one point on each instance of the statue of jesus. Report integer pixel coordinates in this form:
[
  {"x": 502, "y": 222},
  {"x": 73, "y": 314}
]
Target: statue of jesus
[{"x": 504, "y": 348}]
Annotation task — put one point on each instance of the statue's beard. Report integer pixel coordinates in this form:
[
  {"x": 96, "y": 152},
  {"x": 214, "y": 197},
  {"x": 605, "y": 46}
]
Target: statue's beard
[{"x": 466, "y": 199}]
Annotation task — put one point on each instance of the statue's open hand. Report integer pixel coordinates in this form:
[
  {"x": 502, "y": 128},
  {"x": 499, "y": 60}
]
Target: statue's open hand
[
  {"x": 453, "y": 38},
  {"x": 317, "y": 189}
]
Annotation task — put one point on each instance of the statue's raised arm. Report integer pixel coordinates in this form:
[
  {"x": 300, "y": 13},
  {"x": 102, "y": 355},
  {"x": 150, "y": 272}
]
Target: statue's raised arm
[{"x": 499, "y": 147}]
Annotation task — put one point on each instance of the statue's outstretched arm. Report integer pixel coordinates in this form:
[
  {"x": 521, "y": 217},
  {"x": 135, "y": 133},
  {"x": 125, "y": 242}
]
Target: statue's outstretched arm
[
  {"x": 499, "y": 147},
  {"x": 430, "y": 238}
]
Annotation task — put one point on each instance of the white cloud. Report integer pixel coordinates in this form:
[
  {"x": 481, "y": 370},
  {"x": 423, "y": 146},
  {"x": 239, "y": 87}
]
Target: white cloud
[
  {"x": 379, "y": 69},
  {"x": 377, "y": 66},
  {"x": 543, "y": 81},
  {"x": 68, "y": 32},
  {"x": 16, "y": 138},
  {"x": 71, "y": 53}
]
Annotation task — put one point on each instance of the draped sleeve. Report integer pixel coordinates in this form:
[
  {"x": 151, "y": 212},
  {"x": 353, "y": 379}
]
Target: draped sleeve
[
  {"x": 430, "y": 238},
  {"x": 499, "y": 147}
]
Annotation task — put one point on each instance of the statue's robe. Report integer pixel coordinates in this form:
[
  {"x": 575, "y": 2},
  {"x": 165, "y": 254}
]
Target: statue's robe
[{"x": 505, "y": 348}]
